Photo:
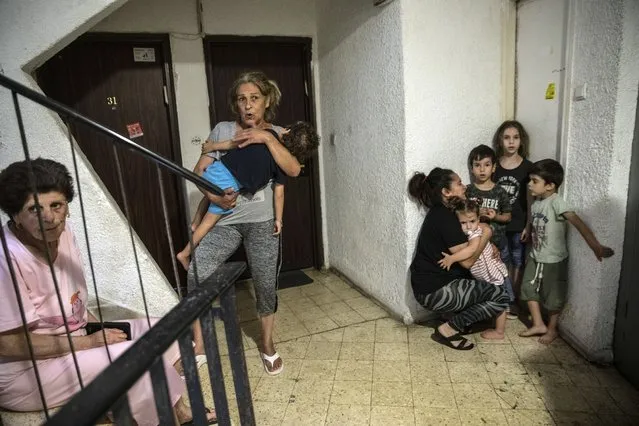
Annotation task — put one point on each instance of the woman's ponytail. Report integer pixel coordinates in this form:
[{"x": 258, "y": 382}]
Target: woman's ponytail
[
  {"x": 427, "y": 190},
  {"x": 419, "y": 189}
]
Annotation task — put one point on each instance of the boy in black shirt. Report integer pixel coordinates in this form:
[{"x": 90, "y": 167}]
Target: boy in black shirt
[{"x": 249, "y": 169}]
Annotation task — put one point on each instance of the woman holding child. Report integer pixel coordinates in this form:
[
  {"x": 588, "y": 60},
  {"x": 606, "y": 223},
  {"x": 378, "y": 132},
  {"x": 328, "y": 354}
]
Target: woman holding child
[
  {"x": 253, "y": 98},
  {"x": 450, "y": 290}
]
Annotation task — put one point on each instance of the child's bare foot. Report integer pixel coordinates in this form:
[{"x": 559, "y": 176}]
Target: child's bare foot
[
  {"x": 492, "y": 334},
  {"x": 184, "y": 258},
  {"x": 534, "y": 331},
  {"x": 549, "y": 337}
]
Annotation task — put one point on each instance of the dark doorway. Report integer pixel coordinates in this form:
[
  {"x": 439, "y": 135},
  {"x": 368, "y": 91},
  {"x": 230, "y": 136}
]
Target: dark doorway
[
  {"x": 287, "y": 61},
  {"x": 122, "y": 81},
  {"x": 626, "y": 342}
]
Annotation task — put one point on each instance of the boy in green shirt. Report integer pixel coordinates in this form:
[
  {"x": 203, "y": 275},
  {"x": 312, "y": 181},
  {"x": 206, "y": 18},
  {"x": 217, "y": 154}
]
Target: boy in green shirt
[{"x": 545, "y": 280}]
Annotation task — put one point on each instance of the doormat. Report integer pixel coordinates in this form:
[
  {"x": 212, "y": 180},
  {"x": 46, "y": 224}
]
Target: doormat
[{"x": 293, "y": 279}]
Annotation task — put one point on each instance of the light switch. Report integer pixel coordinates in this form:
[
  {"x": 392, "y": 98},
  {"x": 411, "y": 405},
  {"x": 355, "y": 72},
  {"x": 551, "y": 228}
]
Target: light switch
[{"x": 580, "y": 92}]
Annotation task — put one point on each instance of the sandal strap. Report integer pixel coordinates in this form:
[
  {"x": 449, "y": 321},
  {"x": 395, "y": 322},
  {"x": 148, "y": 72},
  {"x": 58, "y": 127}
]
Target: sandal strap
[{"x": 271, "y": 358}]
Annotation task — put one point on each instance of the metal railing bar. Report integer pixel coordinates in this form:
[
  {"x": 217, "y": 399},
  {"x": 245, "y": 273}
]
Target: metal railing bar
[
  {"x": 32, "y": 184},
  {"x": 161, "y": 393},
  {"x": 215, "y": 367},
  {"x": 122, "y": 411},
  {"x": 56, "y": 106},
  {"x": 169, "y": 236},
  {"x": 99, "y": 395},
  {"x": 236, "y": 353},
  {"x": 192, "y": 377}
]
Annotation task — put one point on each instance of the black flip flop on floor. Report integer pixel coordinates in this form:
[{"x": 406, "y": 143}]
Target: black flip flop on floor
[{"x": 290, "y": 279}]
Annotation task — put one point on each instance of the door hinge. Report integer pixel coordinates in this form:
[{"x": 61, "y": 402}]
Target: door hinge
[{"x": 166, "y": 95}]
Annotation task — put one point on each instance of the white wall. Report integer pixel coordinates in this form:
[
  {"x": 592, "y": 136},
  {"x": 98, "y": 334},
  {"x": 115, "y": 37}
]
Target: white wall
[
  {"x": 605, "y": 55},
  {"x": 362, "y": 104},
  {"x": 452, "y": 72},
  {"x": 31, "y": 32}
]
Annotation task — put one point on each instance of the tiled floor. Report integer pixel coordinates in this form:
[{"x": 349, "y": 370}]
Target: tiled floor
[{"x": 347, "y": 363}]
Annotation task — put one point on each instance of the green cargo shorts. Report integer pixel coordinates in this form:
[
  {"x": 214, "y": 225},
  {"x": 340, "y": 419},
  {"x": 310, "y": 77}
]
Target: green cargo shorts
[{"x": 546, "y": 283}]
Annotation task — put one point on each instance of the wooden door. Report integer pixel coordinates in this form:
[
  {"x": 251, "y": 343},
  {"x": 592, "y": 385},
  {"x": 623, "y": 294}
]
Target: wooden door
[
  {"x": 119, "y": 81},
  {"x": 626, "y": 342},
  {"x": 287, "y": 61}
]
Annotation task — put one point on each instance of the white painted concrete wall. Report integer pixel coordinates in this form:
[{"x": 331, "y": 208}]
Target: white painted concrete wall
[
  {"x": 452, "y": 73},
  {"x": 605, "y": 38},
  {"x": 31, "y": 32}
]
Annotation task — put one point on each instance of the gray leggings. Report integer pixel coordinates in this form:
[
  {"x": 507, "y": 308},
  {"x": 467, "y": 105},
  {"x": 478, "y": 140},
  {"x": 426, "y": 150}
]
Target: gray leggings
[{"x": 261, "y": 248}]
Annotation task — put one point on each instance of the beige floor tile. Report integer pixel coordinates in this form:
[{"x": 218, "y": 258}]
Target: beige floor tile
[
  {"x": 388, "y": 322},
  {"x": 355, "y": 415},
  {"x": 434, "y": 395},
  {"x": 391, "y": 371},
  {"x": 475, "y": 396},
  {"x": 425, "y": 416},
  {"x": 278, "y": 390},
  {"x": 361, "y": 302},
  {"x": 627, "y": 398},
  {"x": 547, "y": 373},
  {"x": 348, "y": 294},
  {"x": 294, "y": 348},
  {"x": 324, "y": 298},
  {"x": 455, "y": 355},
  {"x": 393, "y": 393},
  {"x": 316, "y": 274},
  {"x": 497, "y": 353},
  {"x": 310, "y": 313},
  {"x": 292, "y": 368},
  {"x": 312, "y": 392},
  {"x": 567, "y": 355},
  {"x": 535, "y": 354},
  {"x": 424, "y": 350},
  {"x": 385, "y": 334},
  {"x": 562, "y": 398},
  {"x": 519, "y": 397},
  {"x": 528, "y": 417},
  {"x": 507, "y": 373},
  {"x": 482, "y": 416},
  {"x": 609, "y": 377},
  {"x": 347, "y": 318},
  {"x": 420, "y": 333},
  {"x": 335, "y": 308},
  {"x": 317, "y": 325},
  {"x": 314, "y": 289},
  {"x": 318, "y": 369},
  {"x": 372, "y": 313},
  {"x": 289, "y": 333},
  {"x": 323, "y": 350},
  {"x": 391, "y": 351},
  {"x": 575, "y": 418},
  {"x": 360, "y": 333},
  {"x": 581, "y": 375},
  {"x": 336, "y": 285},
  {"x": 305, "y": 414},
  {"x": 396, "y": 416},
  {"x": 290, "y": 293},
  {"x": 348, "y": 369},
  {"x": 352, "y": 392},
  {"x": 301, "y": 304},
  {"x": 600, "y": 400},
  {"x": 357, "y": 351},
  {"x": 329, "y": 336},
  {"x": 269, "y": 413},
  {"x": 468, "y": 372},
  {"x": 425, "y": 372}
]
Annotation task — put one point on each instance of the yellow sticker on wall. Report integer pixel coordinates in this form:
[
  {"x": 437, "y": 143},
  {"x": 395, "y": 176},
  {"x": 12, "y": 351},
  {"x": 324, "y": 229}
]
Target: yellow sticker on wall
[{"x": 550, "y": 91}]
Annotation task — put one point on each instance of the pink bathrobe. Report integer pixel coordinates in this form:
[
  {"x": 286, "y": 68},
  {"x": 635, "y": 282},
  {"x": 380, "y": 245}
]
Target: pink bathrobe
[{"x": 18, "y": 387}]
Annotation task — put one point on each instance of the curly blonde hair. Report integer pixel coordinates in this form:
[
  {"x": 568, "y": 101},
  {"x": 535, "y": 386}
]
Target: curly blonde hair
[{"x": 267, "y": 87}]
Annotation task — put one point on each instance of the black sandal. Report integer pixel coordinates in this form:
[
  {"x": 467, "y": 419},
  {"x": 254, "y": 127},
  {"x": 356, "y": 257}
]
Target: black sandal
[{"x": 448, "y": 341}]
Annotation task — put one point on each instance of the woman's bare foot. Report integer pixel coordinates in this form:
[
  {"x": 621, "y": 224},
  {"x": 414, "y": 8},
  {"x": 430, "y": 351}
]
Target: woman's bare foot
[
  {"x": 549, "y": 337},
  {"x": 184, "y": 258},
  {"x": 538, "y": 330},
  {"x": 270, "y": 351},
  {"x": 184, "y": 414},
  {"x": 492, "y": 334}
]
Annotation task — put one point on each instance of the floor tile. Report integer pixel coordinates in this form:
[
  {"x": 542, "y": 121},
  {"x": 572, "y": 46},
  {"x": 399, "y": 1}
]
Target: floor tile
[
  {"x": 423, "y": 350},
  {"x": 329, "y": 336},
  {"x": 372, "y": 313},
  {"x": 535, "y": 354},
  {"x": 310, "y": 313},
  {"x": 497, "y": 353},
  {"x": 388, "y": 322},
  {"x": 468, "y": 372},
  {"x": 391, "y": 351},
  {"x": 269, "y": 413},
  {"x": 335, "y": 308},
  {"x": 575, "y": 418},
  {"x": 562, "y": 398},
  {"x": 519, "y": 397},
  {"x": 294, "y": 348},
  {"x": 349, "y": 369},
  {"x": 528, "y": 417},
  {"x": 600, "y": 400},
  {"x": 347, "y": 318},
  {"x": 391, "y": 371},
  {"x": 357, "y": 351},
  {"x": 567, "y": 355},
  {"x": 355, "y": 415},
  {"x": 393, "y": 394},
  {"x": 547, "y": 373},
  {"x": 391, "y": 334},
  {"x": 627, "y": 398},
  {"x": 581, "y": 375},
  {"x": 396, "y": 416},
  {"x": 314, "y": 289},
  {"x": 507, "y": 373},
  {"x": 434, "y": 395},
  {"x": 360, "y": 333},
  {"x": 482, "y": 416},
  {"x": 278, "y": 390},
  {"x": 348, "y": 294},
  {"x": 318, "y": 369},
  {"x": 306, "y": 414},
  {"x": 352, "y": 392},
  {"x": 425, "y": 372},
  {"x": 323, "y": 350},
  {"x": 455, "y": 355},
  {"x": 436, "y": 416},
  {"x": 475, "y": 396},
  {"x": 317, "y": 325},
  {"x": 324, "y": 298},
  {"x": 308, "y": 391},
  {"x": 361, "y": 303},
  {"x": 292, "y": 368}
]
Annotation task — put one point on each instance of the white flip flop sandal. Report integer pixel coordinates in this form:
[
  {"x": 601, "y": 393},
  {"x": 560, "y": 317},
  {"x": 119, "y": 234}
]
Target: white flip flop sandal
[{"x": 271, "y": 360}]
